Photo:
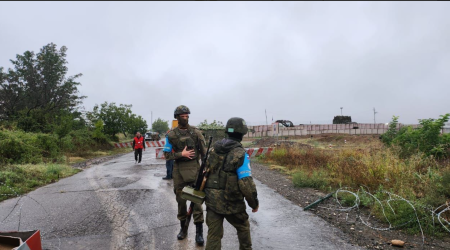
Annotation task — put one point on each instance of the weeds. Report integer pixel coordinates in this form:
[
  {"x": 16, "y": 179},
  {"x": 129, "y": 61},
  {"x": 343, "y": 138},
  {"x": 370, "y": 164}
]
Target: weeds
[
  {"x": 24, "y": 178},
  {"x": 315, "y": 179},
  {"x": 421, "y": 179}
]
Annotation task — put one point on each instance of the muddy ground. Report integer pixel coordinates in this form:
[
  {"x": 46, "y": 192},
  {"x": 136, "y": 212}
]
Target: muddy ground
[{"x": 357, "y": 232}]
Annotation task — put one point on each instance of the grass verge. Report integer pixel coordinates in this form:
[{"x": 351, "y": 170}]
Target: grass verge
[
  {"x": 21, "y": 179},
  {"x": 423, "y": 181},
  {"x": 18, "y": 179}
]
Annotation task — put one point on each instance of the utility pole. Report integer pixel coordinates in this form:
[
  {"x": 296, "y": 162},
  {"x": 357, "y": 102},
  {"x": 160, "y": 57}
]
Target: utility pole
[
  {"x": 374, "y": 113},
  {"x": 151, "y": 119},
  {"x": 341, "y": 110}
]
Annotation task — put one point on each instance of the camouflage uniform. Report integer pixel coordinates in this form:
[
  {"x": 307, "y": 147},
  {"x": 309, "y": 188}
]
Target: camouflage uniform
[
  {"x": 185, "y": 170},
  {"x": 225, "y": 191}
]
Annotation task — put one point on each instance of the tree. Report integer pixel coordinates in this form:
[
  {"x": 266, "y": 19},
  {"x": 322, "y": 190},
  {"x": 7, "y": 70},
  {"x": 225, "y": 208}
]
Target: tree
[
  {"x": 137, "y": 123},
  {"x": 214, "y": 125},
  {"x": 117, "y": 119},
  {"x": 98, "y": 134},
  {"x": 160, "y": 126},
  {"x": 426, "y": 139},
  {"x": 391, "y": 133},
  {"x": 37, "y": 88}
]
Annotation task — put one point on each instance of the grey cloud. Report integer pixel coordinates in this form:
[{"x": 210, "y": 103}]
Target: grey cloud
[{"x": 299, "y": 60}]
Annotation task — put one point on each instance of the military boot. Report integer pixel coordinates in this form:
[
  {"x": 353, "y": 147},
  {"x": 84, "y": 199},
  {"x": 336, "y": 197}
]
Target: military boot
[
  {"x": 199, "y": 234},
  {"x": 181, "y": 235}
]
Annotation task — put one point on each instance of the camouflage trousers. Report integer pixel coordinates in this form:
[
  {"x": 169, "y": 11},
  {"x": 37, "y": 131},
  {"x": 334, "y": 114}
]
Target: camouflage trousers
[
  {"x": 214, "y": 221},
  {"x": 178, "y": 185}
]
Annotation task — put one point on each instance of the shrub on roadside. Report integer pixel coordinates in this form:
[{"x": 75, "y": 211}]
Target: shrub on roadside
[
  {"x": 426, "y": 139},
  {"x": 18, "y": 147},
  {"x": 418, "y": 175},
  {"x": 21, "y": 147},
  {"x": 316, "y": 179},
  {"x": 24, "y": 178}
]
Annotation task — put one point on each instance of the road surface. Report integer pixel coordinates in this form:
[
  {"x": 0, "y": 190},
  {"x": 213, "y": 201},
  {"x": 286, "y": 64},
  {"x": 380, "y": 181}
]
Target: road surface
[{"x": 122, "y": 205}]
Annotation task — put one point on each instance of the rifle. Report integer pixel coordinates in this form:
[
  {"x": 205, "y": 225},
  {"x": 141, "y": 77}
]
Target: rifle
[{"x": 198, "y": 187}]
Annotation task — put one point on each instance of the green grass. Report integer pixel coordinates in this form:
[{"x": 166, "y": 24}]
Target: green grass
[
  {"x": 422, "y": 180},
  {"x": 315, "y": 179},
  {"x": 25, "y": 178}
]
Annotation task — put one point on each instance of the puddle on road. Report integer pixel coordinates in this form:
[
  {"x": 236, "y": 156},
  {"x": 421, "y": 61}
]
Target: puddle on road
[
  {"x": 118, "y": 182},
  {"x": 149, "y": 176}
]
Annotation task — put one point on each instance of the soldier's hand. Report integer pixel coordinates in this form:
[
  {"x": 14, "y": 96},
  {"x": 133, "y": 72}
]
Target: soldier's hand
[
  {"x": 189, "y": 154},
  {"x": 255, "y": 210}
]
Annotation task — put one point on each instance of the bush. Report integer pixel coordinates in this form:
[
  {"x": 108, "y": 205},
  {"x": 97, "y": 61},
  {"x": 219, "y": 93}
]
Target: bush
[
  {"x": 24, "y": 178},
  {"x": 426, "y": 139},
  {"x": 18, "y": 147},
  {"x": 316, "y": 179},
  {"x": 98, "y": 133},
  {"x": 21, "y": 147}
]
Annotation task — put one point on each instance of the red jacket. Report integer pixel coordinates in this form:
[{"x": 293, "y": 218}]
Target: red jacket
[{"x": 138, "y": 142}]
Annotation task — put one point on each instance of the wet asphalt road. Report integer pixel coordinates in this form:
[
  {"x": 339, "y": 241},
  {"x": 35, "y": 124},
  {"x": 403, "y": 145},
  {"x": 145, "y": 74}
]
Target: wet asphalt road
[{"x": 123, "y": 205}]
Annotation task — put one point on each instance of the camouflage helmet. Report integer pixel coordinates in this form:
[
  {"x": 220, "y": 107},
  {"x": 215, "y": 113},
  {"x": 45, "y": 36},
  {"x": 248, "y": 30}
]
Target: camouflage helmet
[
  {"x": 181, "y": 110},
  {"x": 236, "y": 125}
]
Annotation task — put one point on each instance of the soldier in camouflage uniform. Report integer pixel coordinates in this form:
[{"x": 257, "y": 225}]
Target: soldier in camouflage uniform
[
  {"x": 185, "y": 144},
  {"x": 228, "y": 183}
]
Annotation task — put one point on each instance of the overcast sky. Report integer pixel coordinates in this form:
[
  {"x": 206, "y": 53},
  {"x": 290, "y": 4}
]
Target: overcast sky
[{"x": 301, "y": 61}]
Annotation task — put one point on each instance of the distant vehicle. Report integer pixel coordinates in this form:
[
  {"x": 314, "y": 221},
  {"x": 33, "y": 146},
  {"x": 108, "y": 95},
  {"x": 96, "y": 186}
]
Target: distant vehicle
[
  {"x": 152, "y": 136},
  {"x": 285, "y": 123}
]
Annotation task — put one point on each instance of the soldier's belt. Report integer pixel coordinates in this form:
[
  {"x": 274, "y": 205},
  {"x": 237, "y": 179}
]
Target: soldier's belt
[{"x": 196, "y": 196}]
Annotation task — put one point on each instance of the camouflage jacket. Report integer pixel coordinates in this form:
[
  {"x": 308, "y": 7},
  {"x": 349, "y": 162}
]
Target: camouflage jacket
[
  {"x": 229, "y": 180},
  {"x": 178, "y": 138}
]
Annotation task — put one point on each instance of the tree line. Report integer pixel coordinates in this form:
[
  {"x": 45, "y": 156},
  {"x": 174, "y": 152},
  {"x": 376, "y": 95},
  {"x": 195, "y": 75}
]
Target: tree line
[{"x": 37, "y": 95}]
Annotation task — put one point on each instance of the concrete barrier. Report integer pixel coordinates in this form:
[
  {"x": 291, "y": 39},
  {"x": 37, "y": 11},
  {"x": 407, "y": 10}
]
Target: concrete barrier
[
  {"x": 276, "y": 129},
  {"x": 159, "y": 153}
]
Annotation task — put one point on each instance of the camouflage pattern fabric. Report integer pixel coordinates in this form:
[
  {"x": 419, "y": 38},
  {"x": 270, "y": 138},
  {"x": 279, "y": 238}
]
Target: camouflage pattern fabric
[
  {"x": 236, "y": 125},
  {"x": 185, "y": 170},
  {"x": 225, "y": 194},
  {"x": 190, "y": 137},
  {"x": 178, "y": 185},
  {"x": 181, "y": 110},
  {"x": 215, "y": 229}
]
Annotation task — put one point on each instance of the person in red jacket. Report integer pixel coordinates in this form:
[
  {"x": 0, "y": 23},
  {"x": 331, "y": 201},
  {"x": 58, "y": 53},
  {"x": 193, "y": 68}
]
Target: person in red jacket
[{"x": 138, "y": 145}]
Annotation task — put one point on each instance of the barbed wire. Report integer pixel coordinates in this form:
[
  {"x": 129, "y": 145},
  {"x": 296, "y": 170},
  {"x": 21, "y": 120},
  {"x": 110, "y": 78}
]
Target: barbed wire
[{"x": 436, "y": 214}]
